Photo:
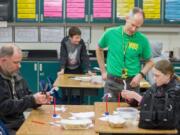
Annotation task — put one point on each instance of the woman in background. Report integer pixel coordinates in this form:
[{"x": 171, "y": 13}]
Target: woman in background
[{"x": 156, "y": 48}]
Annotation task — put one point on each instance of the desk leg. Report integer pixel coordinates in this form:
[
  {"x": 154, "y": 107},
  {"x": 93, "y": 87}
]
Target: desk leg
[
  {"x": 89, "y": 100},
  {"x": 81, "y": 96},
  {"x": 69, "y": 96}
]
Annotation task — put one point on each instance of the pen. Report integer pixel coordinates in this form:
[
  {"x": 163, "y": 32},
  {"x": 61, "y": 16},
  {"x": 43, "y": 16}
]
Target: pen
[
  {"x": 38, "y": 122},
  {"x": 45, "y": 90}
]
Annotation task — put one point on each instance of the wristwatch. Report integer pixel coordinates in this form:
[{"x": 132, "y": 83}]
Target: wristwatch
[{"x": 142, "y": 74}]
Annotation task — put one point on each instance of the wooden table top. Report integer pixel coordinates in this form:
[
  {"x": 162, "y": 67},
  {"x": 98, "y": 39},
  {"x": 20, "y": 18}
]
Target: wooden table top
[
  {"x": 103, "y": 127},
  {"x": 44, "y": 114},
  {"x": 67, "y": 81}
]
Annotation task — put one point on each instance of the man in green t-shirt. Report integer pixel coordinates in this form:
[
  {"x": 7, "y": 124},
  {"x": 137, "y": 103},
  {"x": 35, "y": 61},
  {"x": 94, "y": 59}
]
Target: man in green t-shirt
[{"x": 126, "y": 46}]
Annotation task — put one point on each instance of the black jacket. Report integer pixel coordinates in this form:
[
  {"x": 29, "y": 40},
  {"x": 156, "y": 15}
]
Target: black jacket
[
  {"x": 84, "y": 58},
  {"x": 12, "y": 105},
  {"x": 172, "y": 88}
]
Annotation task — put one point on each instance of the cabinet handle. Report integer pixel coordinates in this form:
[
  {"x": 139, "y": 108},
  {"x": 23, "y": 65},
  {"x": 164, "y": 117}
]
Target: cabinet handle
[
  {"x": 42, "y": 17},
  {"x": 35, "y": 67},
  {"x": 36, "y": 17},
  {"x": 40, "y": 67},
  {"x": 86, "y": 18},
  {"x": 41, "y": 74},
  {"x": 91, "y": 18}
]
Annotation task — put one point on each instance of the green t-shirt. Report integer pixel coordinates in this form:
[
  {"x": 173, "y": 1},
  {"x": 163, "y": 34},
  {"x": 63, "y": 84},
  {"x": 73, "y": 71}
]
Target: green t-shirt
[{"x": 118, "y": 42}]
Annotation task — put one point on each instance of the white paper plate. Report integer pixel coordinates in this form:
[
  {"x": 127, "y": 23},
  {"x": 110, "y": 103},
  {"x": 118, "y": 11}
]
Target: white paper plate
[{"x": 83, "y": 115}]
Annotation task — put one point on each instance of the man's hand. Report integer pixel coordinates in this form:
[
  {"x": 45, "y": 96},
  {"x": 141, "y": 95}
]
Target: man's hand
[
  {"x": 136, "y": 80},
  {"x": 127, "y": 94},
  {"x": 104, "y": 75},
  {"x": 42, "y": 98}
]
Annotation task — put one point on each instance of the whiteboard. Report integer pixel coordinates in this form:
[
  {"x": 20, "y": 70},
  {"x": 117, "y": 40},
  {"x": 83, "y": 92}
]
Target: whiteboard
[
  {"x": 6, "y": 35},
  {"x": 52, "y": 34},
  {"x": 85, "y": 33},
  {"x": 26, "y": 34}
]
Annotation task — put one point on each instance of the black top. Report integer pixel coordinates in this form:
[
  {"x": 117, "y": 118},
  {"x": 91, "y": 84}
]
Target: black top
[
  {"x": 82, "y": 58},
  {"x": 15, "y": 98}
]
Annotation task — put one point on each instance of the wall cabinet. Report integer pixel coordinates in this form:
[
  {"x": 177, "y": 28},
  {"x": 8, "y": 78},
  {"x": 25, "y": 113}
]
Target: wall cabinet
[{"x": 95, "y": 11}]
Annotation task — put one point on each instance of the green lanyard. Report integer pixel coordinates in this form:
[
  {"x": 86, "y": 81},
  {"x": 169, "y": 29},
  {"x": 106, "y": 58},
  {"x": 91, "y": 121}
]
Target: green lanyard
[
  {"x": 124, "y": 49},
  {"x": 124, "y": 70}
]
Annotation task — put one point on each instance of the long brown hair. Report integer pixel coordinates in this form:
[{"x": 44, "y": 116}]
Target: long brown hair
[{"x": 165, "y": 67}]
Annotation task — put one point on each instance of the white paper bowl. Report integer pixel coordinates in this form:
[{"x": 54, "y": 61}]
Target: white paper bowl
[
  {"x": 116, "y": 121},
  {"x": 128, "y": 113},
  {"x": 76, "y": 124}
]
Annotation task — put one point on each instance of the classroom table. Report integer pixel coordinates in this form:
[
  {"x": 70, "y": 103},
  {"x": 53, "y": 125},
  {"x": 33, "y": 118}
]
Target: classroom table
[
  {"x": 67, "y": 81},
  {"x": 103, "y": 127},
  {"x": 43, "y": 115}
]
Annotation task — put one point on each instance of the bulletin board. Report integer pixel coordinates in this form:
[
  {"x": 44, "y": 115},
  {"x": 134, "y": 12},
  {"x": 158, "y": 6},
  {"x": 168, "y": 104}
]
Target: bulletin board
[
  {"x": 51, "y": 34},
  {"x": 26, "y": 34},
  {"x": 6, "y": 35}
]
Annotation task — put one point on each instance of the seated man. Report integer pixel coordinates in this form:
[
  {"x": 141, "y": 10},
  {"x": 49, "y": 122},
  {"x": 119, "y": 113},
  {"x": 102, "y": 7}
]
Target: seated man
[
  {"x": 3, "y": 130},
  {"x": 15, "y": 96}
]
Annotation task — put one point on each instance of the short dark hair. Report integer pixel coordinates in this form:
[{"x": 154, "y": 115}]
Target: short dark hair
[
  {"x": 136, "y": 10},
  {"x": 165, "y": 67},
  {"x": 74, "y": 31}
]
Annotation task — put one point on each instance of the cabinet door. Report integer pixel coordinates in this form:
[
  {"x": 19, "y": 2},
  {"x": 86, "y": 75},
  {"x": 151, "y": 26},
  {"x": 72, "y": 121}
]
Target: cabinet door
[
  {"x": 29, "y": 71},
  {"x": 27, "y": 10},
  {"x": 51, "y": 10},
  {"x": 122, "y": 9},
  {"x": 76, "y": 11},
  {"x": 152, "y": 10},
  {"x": 171, "y": 11},
  {"x": 48, "y": 69}
]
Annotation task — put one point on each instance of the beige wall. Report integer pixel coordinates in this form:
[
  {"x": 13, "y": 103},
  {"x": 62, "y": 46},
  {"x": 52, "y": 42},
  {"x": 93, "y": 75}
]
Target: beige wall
[{"x": 169, "y": 36}]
